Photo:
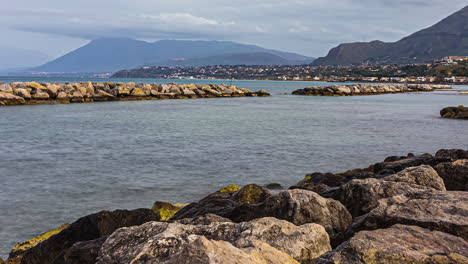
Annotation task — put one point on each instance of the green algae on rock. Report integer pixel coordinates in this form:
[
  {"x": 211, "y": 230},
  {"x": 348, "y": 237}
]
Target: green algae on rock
[
  {"x": 229, "y": 188},
  {"x": 166, "y": 210}
]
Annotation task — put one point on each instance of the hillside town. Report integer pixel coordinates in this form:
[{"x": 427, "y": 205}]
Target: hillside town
[{"x": 451, "y": 69}]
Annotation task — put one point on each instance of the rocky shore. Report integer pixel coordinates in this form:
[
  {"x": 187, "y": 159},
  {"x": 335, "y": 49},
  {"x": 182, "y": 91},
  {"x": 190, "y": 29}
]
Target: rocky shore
[
  {"x": 405, "y": 209},
  {"x": 21, "y": 93},
  {"x": 460, "y": 112},
  {"x": 367, "y": 89}
]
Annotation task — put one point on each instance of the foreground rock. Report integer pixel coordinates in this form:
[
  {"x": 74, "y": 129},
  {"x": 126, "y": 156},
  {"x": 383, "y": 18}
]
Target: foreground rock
[
  {"x": 400, "y": 244},
  {"x": 360, "y": 196},
  {"x": 296, "y": 206},
  {"x": 265, "y": 240},
  {"x": 368, "y": 89},
  {"x": 87, "y": 228},
  {"x": 442, "y": 211},
  {"x": 43, "y": 93},
  {"x": 459, "y": 112},
  {"x": 454, "y": 174}
]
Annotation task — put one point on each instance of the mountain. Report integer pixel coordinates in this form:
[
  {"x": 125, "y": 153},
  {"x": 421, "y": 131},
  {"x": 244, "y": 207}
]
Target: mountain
[
  {"x": 253, "y": 58},
  {"x": 449, "y": 37},
  {"x": 112, "y": 54},
  {"x": 14, "y": 58}
]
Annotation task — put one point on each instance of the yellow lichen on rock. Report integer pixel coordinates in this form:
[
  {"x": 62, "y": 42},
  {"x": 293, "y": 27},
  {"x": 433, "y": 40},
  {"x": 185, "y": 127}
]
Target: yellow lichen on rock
[
  {"x": 230, "y": 188},
  {"x": 166, "y": 210},
  {"x": 35, "y": 85},
  {"x": 20, "y": 248}
]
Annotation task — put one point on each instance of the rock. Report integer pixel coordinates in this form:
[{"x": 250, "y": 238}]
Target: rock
[
  {"x": 84, "y": 252},
  {"x": 296, "y": 206},
  {"x": 77, "y": 97},
  {"x": 454, "y": 174},
  {"x": 10, "y": 99},
  {"x": 387, "y": 168},
  {"x": 442, "y": 211},
  {"x": 121, "y": 90},
  {"x": 459, "y": 112},
  {"x": 137, "y": 92},
  {"x": 230, "y": 188},
  {"x": 347, "y": 90},
  {"x": 86, "y": 228},
  {"x": 423, "y": 175},
  {"x": 452, "y": 154},
  {"x": 21, "y": 92},
  {"x": 40, "y": 95},
  {"x": 52, "y": 89},
  {"x": 166, "y": 210},
  {"x": 19, "y": 249},
  {"x": 35, "y": 86},
  {"x": 399, "y": 244},
  {"x": 101, "y": 95},
  {"x": 251, "y": 193},
  {"x": 203, "y": 220},
  {"x": 6, "y": 88},
  {"x": 219, "y": 242}
]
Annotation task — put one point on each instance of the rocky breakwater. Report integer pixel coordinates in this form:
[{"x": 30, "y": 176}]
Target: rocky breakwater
[
  {"x": 406, "y": 209},
  {"x": 369, "y": 89},
  {"x": 460, "y": 112},
  {"x": 20, "y": 93}
]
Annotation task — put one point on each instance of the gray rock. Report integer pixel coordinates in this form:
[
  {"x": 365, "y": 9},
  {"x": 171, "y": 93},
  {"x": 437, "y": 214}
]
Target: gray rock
[
  {"x": 399, "y": 244},
  {"x": 159, "y": 242},
  {"x": 454, "y": 174}
]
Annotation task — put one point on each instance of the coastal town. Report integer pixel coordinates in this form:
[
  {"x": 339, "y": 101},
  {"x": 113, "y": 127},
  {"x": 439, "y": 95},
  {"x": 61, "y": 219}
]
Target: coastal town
[{"x": 451, "y": 69}]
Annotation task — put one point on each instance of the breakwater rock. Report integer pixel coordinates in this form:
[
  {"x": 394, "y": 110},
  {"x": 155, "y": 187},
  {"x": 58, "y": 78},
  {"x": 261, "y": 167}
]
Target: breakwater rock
[
  {"x": 19, "y": 93},
  {"x": 367, "y": 89},
  {"x": 406, "y": 209},
  {"x": 459, "y": 112}
]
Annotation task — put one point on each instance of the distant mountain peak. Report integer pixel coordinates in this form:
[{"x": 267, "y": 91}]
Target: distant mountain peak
[{"x": 445, "y": 38}]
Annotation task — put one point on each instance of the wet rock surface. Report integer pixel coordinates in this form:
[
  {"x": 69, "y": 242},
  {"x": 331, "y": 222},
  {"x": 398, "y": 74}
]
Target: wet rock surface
[
  {"x": 459, "y": 112},
  {"x": 48, "y": 93},
  {"x": 367, "y": 89}
]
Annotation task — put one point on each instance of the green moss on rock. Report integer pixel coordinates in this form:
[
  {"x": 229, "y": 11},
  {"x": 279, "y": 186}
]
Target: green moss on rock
[
  {"x": 230, "y": 188},
  {"x": 19, "y": 249},
  {"x": 166, "y": 210},
  {"x": 251, "y": 193}
]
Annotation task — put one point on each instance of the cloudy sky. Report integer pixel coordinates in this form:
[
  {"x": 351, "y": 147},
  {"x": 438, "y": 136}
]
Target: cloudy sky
[{"x": 309, "y": 27}]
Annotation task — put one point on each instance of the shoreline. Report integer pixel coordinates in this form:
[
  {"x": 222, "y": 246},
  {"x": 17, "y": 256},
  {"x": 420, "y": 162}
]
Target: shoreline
[{"x": 349, "y": 207}]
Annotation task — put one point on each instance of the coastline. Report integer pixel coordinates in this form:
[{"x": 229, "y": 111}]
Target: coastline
[{"x": 348, "y": 208}]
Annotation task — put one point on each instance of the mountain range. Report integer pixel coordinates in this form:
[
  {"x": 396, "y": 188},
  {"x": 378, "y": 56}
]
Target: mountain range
[
  {"x": 449, "y": 37},
  {"x": 112, "y": 54}
]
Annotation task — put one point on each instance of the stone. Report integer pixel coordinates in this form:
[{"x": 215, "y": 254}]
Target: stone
[
  {"x": 103, "y": 95},
  {"x": 137, "y": 92},
  {"x": 6, "y": 88},
  {"x": 454, "y": 174},
  {"x": 52, "y": 89},
  {"x": 387, "y": 168},
  {"x": 459, "y": 112},
  {"x": 10, "y": 99},
  {"x": 423, "y": 175},
  {"x": 442, "y": 211},
  {"x": 21, "y": 92},
  {"x": 19, "y": 249},
  {"x": 84, "y": 252},
  {"x": 40, "y": 95},
  {"x": 35, "y": 86},
  {"x": 296, "y": 206},
  {"x": 162, "y": 242},
  {"x": 87, "y": 228},
  {"x": 399, "y": 244},
  {"x": 166, "y": 210},
  {"x": 274, "y": 186},
  {"x": 203, "y": 220},
  {"x": 230, "y": 188},
  {"x": 452, "y": 154}
]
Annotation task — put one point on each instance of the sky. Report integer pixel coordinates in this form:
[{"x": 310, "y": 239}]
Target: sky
[{"x": 308, "y": 27}]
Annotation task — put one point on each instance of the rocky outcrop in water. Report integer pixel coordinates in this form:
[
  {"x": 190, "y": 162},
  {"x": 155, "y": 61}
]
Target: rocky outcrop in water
[
  {"x": 19, "y": 93},
  {"x": 367, "y": 89},
  {"x": 395, "y": 211},
  {"x": 459, "y": 112}
]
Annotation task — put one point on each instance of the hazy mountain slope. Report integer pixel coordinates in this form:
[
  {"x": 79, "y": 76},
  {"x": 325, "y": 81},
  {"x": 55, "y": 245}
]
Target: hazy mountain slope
[
  {"x": 112, "y": 54},
  {"x": 446, "y": 38},
  {"x": 11, "y": 58}
]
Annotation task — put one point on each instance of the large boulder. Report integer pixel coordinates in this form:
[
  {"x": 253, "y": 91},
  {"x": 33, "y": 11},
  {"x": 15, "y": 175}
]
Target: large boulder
[
  {"x": 423, "y": 175},
  {"x": 443, "y": 211},
  {"x": 399, "y": 244},
  {"x": 387, "y": 168},
  {"x": 166, "y": 210},
  {"x": 6, "y": 88},
  {"x": 84, "y": 252},
  {"x": 10, "y": 99},
  {"x": 452, "y": 154},
  {"x": 217, "y": 242},
  {"x": 86, "y": 228},
  {"x": 454, "y": 174},
  {"x": 296, "y": 206},
  {"x": 459, "y": 112}
]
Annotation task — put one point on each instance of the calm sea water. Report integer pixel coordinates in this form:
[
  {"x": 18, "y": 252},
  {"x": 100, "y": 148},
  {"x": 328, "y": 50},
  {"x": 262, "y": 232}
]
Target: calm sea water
[{"x": 60, "y": 162}]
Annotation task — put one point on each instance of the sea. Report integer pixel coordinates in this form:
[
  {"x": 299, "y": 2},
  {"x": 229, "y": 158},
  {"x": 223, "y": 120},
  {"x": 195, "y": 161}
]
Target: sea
[{"x": 60, "y": 162}]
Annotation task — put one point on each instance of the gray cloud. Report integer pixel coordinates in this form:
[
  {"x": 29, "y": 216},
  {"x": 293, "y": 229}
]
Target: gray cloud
[{"x": 310, "y": 27}]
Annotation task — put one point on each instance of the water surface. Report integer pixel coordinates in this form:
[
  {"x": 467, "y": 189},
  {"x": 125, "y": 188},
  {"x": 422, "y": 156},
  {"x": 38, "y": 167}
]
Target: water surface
[{"x": 60, "y": 162}]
